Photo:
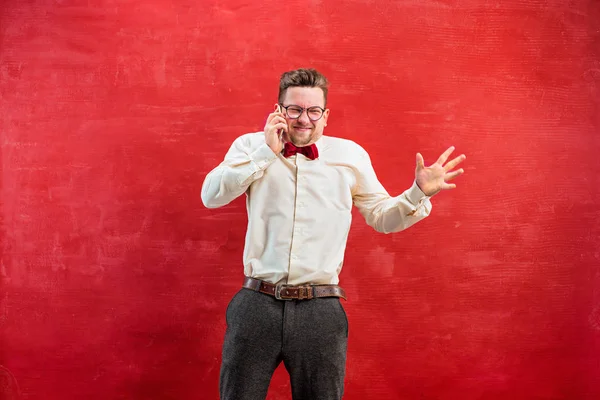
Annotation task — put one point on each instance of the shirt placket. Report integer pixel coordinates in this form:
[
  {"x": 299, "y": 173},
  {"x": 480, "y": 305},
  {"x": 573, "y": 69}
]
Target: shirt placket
[{"x": 298, "y": 226}]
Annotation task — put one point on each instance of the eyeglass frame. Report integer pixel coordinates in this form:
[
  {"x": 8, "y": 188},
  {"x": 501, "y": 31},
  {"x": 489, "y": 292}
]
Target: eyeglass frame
[{"x": 302, "y": 111}]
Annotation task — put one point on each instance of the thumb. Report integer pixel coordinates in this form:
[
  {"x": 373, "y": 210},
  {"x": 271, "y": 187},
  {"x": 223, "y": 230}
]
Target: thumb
[{"x": 420, "y": 161}]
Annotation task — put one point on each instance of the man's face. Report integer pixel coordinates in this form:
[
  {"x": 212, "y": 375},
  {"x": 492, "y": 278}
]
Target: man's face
[{"x": 304, "y": 131}]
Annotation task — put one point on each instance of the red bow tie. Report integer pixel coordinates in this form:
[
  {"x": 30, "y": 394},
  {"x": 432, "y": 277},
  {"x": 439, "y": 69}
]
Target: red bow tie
[{"x": 309, "y": 151}]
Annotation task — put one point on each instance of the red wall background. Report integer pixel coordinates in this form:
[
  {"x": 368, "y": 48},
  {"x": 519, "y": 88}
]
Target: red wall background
[{"x": 115, "y": 279}]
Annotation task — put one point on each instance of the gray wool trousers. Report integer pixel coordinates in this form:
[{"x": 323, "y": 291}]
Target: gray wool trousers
[{"x": 309, "y": 336}]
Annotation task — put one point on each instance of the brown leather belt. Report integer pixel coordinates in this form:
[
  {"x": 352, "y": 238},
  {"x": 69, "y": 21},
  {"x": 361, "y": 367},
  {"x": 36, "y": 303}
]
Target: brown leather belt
[{"x": 288, "y": 292}]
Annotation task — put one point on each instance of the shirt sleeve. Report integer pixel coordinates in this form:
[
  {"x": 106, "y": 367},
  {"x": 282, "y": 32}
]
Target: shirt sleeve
[
  {"x": 243, "y": 164},
  {"x": 381, "y": 211}
]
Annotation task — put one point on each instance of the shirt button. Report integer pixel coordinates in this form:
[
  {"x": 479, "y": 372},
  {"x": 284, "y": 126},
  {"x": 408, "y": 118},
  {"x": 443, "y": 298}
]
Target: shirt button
[{"x": 294, "y": 257}]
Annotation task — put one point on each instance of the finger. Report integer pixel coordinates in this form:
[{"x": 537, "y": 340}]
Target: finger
[
  {"x": 278, "y": 119},
  {"x": 453, "y": 175},
  {"x": 445, "y": 155},
  {"x": 273, "y": 115},
  {"x": 279, "y": 126},
  {"x": 447, "y": 186},
  {"x": 420, "y": 161},
  {"x": 274, "y": 118},
  {"x": 454, "y": 162},
  {"x": 276, "y": 112}
]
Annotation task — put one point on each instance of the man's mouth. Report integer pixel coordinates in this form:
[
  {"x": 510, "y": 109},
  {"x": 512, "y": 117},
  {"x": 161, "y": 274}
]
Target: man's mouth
[{"x": 302, "y": 128}]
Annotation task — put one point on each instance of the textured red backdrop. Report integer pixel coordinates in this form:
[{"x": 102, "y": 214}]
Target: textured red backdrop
[{"x": 115, "y": 278}]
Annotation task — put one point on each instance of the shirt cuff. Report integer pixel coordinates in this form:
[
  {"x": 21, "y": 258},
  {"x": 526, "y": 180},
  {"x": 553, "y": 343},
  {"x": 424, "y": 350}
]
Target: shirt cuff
[
  {"x": 415, "y": 195},
  {"x": 263, "y": 156}
]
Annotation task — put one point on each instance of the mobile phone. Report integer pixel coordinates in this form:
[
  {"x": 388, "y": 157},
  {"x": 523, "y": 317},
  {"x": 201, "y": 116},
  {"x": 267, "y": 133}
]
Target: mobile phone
[{"x": 279, "y": 131}]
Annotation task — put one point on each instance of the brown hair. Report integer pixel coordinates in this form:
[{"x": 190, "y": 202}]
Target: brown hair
[{"x": 303, "y": 78}]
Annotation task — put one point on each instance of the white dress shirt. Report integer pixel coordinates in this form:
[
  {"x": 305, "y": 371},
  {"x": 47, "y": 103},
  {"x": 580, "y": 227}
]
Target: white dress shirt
[{"x": 299, "y": 210}]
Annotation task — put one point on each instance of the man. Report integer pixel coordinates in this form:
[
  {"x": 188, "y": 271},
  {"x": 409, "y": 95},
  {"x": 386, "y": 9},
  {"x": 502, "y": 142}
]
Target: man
[{"x": 300, "y": 187}]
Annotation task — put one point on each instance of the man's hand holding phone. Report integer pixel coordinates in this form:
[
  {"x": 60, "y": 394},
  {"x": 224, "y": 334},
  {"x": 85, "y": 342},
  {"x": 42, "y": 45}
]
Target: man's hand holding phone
[{"x": 274, "y": 128}]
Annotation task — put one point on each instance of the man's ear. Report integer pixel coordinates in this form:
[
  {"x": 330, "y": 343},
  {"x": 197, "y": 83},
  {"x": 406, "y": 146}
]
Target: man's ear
[{"x": 326, "y": 116}]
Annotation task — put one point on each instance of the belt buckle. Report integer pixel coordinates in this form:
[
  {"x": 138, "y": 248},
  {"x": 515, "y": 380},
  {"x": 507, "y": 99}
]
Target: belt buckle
[{"x": 278, "y": 288}]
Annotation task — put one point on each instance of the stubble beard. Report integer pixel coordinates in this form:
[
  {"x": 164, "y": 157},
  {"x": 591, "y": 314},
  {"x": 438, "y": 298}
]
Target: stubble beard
[{"x": 304, "y": 141}]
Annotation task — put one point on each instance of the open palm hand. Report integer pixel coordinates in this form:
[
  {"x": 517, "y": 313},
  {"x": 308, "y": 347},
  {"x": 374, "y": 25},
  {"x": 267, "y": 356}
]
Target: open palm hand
[{"x": 435, "y": 177}]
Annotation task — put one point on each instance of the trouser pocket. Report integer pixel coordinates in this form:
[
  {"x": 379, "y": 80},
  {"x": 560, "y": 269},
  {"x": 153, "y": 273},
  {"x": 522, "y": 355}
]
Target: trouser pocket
[{"x": 345, "y": 316}]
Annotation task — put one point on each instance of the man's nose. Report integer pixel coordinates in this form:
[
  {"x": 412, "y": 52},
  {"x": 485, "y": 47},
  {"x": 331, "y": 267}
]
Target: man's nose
[{"x": 304, "y": 117}]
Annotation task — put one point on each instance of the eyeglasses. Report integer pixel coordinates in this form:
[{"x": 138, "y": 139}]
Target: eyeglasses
[{"x": 294, "y": 112}]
